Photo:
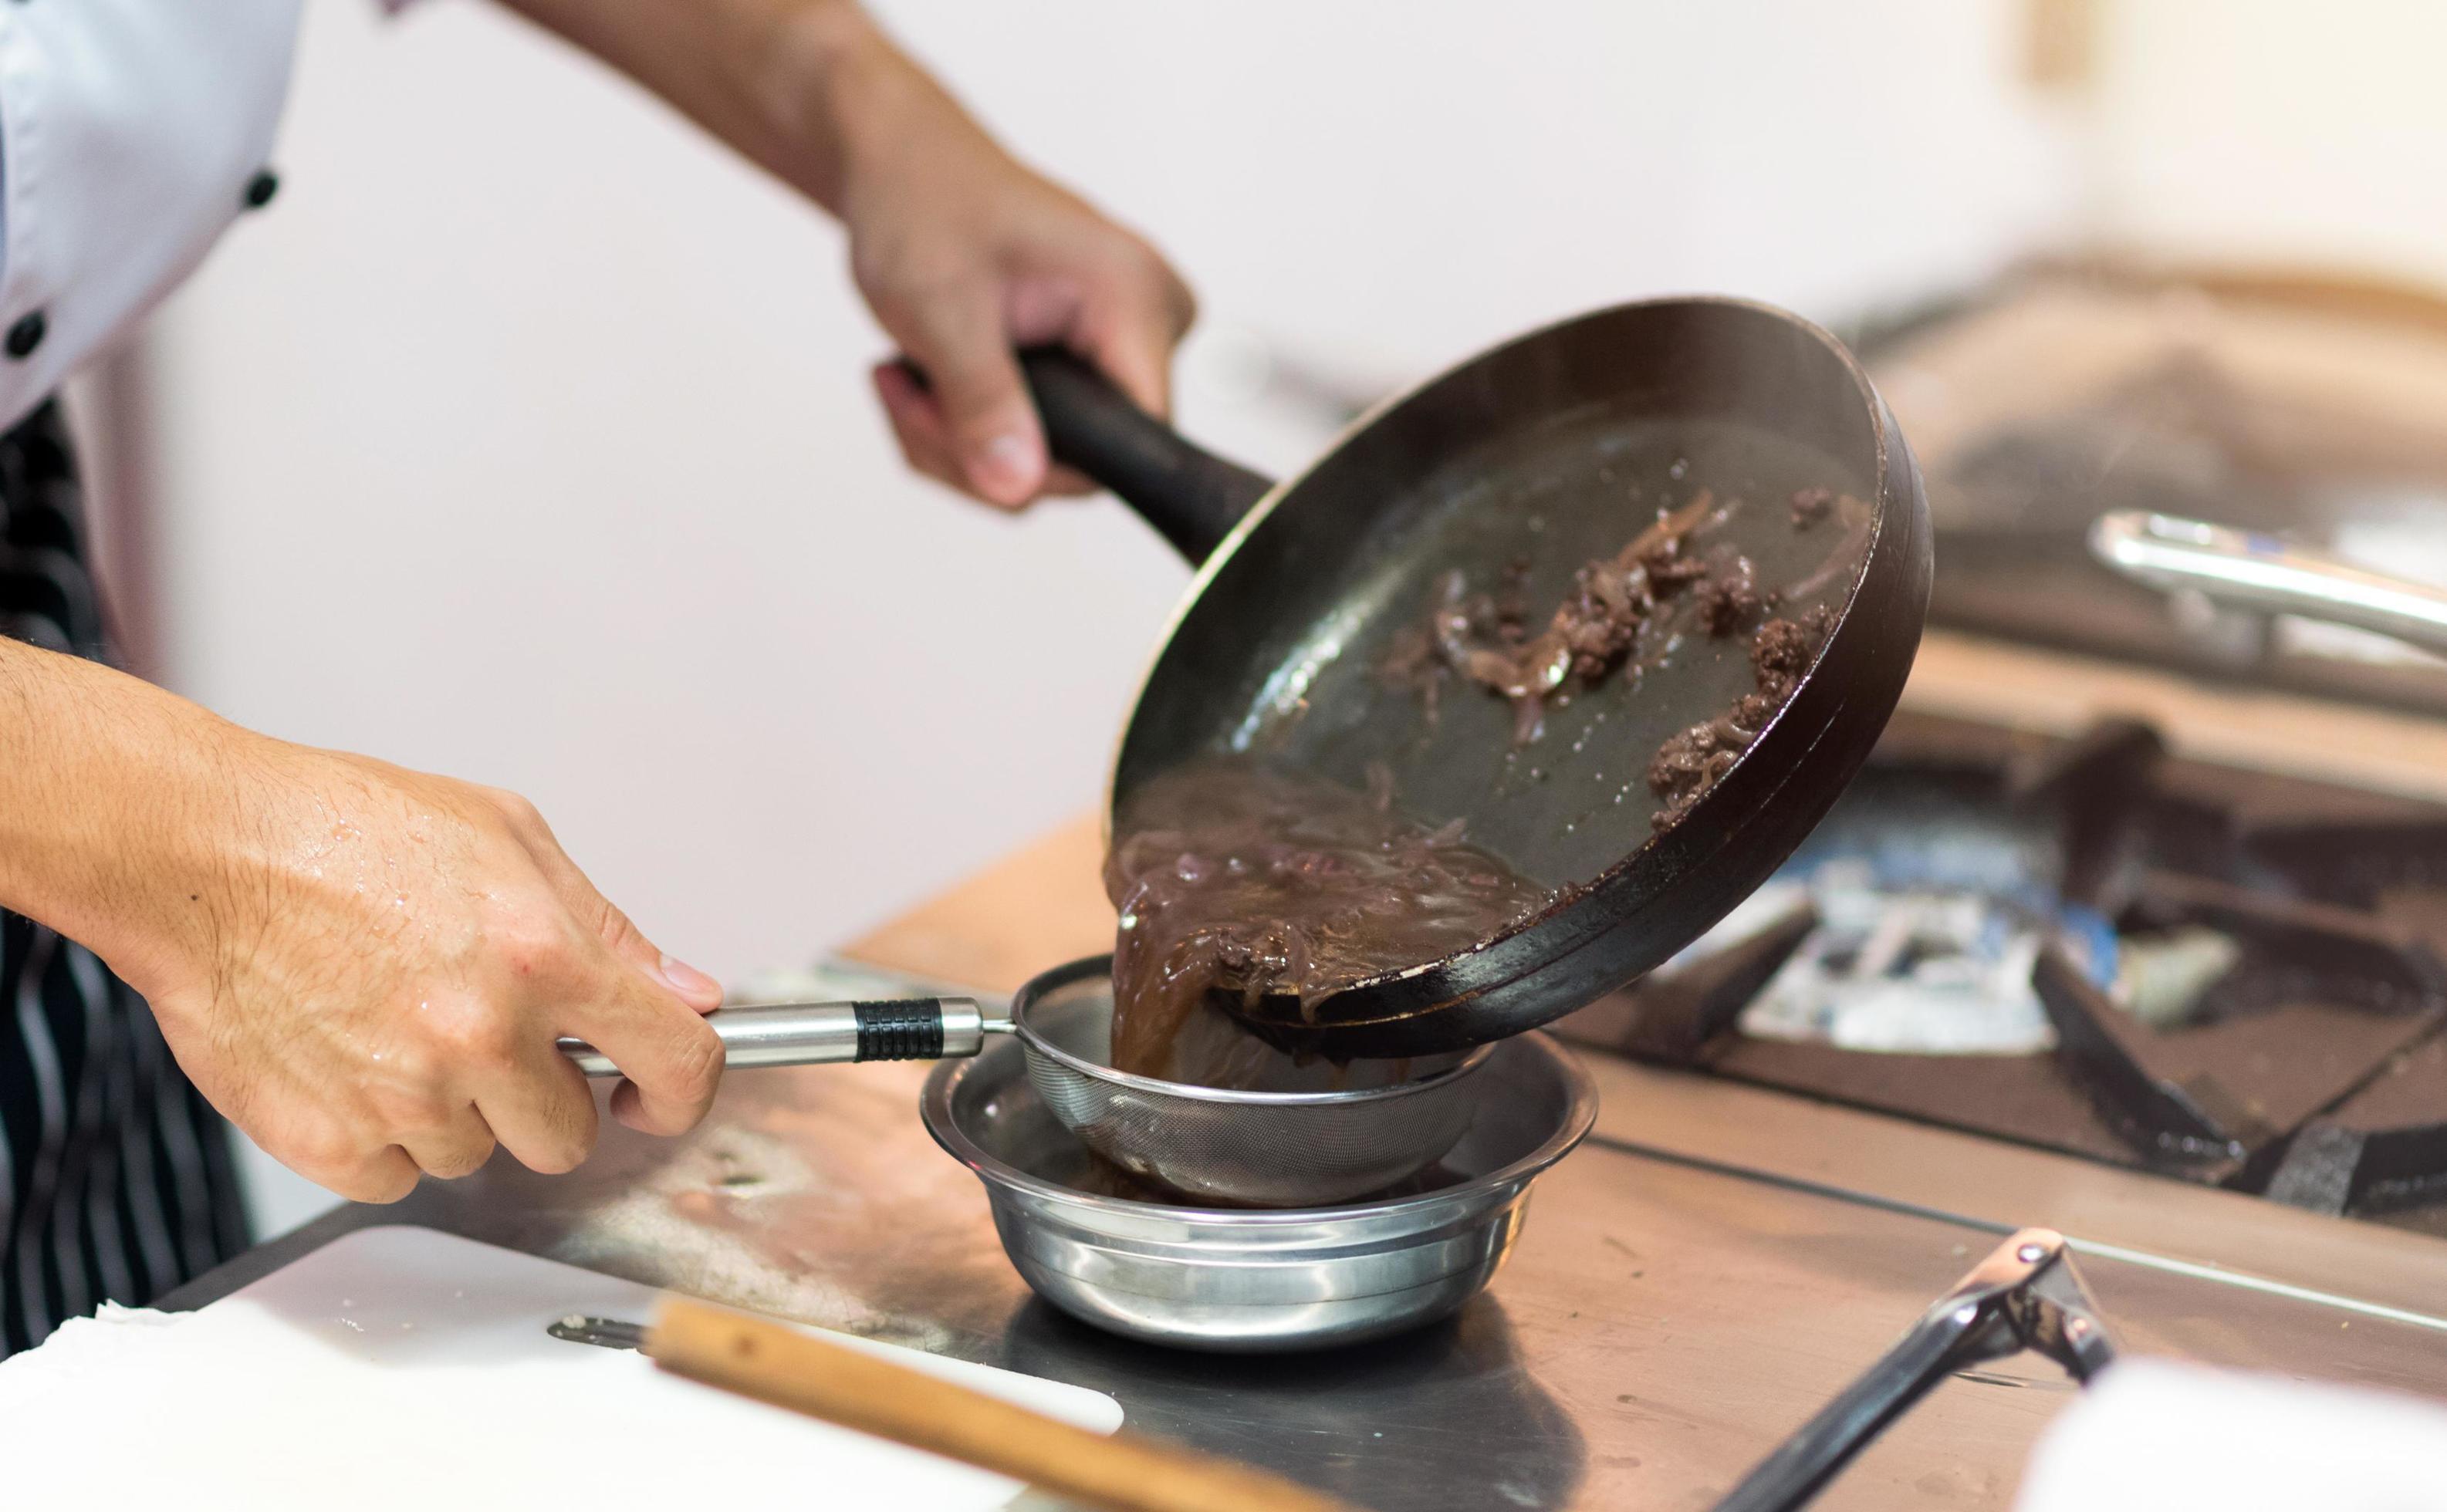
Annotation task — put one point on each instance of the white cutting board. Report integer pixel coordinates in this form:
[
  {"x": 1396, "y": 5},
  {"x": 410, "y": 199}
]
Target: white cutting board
[{"x": 404, "y": 1367}]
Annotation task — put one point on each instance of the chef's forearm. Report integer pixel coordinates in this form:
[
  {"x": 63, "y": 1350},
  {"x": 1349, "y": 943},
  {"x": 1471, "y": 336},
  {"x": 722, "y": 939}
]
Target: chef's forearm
[
  {"x": 106, "y": 787},
  {"x": 794, "y": 86}
]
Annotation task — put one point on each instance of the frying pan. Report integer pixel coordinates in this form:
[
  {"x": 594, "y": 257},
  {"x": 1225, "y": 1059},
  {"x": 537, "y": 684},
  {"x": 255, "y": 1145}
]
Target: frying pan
[{"x": 1550, "y": 449}]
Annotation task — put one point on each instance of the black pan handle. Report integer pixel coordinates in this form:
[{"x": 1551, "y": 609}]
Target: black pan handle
[{"x": 1192, "y": 497}]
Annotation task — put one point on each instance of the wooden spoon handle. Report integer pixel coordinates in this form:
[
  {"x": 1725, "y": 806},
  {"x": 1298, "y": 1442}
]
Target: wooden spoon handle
[{"x": 765, "y": 1360}]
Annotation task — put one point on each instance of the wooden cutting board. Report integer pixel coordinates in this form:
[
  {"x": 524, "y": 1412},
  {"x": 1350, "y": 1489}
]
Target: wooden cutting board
[{"x": 404, "y": 1367}]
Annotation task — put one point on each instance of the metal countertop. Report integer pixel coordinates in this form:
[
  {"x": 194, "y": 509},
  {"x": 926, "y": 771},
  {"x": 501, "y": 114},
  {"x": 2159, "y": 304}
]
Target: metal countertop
[{"x": 1664, "y": 1322}]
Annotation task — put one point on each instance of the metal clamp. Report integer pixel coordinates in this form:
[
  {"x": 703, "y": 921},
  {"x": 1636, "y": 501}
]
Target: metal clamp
[{"x": 2024, "y": 1295}]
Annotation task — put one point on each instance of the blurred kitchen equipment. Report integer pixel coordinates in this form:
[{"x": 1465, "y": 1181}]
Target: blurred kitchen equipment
[
  {"x": 1378, "y": 1123},
  {"x": 2301, "y": 407},
  {"x": 2268, "y": 1011},
  {"x": 836, "y": 1384},
  {"x": 1556, "y": 447},
  {"x": 2024, "y": 1295},
  {"x": 2257, "y": 571},
  {"x": 2240, "y": 978},
  {"x": 1253, "y": 1281}
]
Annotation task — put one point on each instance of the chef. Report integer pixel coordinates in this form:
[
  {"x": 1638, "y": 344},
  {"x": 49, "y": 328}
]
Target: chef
[{"x": 365, "y": 967}]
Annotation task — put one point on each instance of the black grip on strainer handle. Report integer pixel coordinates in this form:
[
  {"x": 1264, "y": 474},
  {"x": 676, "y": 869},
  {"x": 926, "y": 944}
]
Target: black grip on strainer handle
[{"x": 900, "y": 1031}]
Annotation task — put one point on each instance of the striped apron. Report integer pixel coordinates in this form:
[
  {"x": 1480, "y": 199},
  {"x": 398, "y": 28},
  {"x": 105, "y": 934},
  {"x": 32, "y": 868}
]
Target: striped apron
[{"x": 116, "y": 1177}]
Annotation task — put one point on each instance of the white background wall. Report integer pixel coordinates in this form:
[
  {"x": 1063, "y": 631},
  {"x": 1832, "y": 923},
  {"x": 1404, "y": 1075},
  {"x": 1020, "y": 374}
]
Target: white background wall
[
  {"x": 2314, "y": 135},
  {"x": 527, "y": 438}
]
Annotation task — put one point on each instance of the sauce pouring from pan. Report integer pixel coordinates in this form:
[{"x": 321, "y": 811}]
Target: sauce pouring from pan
[{"x": 1622, "y": 604}]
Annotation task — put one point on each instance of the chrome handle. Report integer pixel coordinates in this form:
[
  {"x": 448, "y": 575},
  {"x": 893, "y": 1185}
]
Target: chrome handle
[
  {"x": 915, "y": 1029},
  {"x": 2024, "y": 1295},
  {"x": 2248, "y": 570}
]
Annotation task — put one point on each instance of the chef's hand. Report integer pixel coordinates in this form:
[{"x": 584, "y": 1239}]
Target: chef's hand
[
  {"x": 964, "y": 255},
  {"x": 961, "y": 252},
  {"x": 364, "y": 968}
]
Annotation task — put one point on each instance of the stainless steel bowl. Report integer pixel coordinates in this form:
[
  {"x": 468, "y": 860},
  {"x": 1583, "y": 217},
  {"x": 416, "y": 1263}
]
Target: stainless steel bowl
[{"x": 1247, "y": 1280}]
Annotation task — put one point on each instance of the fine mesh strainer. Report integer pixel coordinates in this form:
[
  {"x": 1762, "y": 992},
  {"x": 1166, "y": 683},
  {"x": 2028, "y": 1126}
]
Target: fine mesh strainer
[
  {"x": 1387, "y": 1122},
  {"x": 1336, "y": 1134}
]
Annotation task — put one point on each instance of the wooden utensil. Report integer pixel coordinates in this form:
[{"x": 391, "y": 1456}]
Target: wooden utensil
[{"x": 781, "y": 1365}]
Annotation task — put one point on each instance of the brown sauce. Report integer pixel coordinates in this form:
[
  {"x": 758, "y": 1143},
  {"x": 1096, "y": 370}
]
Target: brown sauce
[{"x": 1230, "y": 874}]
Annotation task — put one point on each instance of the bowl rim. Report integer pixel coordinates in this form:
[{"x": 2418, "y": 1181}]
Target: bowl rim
[{"x": 1573, "y": 1123}]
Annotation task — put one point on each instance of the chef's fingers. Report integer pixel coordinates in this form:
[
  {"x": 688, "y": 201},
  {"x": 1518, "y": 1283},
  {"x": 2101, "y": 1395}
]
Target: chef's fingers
[
  {"x": 916, "y": 425},
  {"x": 384, "y": 1176},
  {"x": 691, "y": 986},
  {"x": 918, "y": 428},
  {"x": 459, "y": 1141},
  {"x": 593, "y": 909},
  {"x": 954, "y": 330},
  {"x": 1062, "y": 482},
  {"x": 671, "y": 1058},
  {"x": 614, "y": 990},
  {"x": 1135, "y": 313},
  {"x": 540, "y": 1111}
]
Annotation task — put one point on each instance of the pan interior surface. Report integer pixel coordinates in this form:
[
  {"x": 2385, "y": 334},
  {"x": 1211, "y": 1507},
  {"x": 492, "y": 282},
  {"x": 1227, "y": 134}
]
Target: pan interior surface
[{"x": 1551, "y": 452}]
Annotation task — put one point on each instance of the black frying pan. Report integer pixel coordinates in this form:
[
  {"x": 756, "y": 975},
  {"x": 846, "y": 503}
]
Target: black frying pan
[{"x": 1556, "y": 447}]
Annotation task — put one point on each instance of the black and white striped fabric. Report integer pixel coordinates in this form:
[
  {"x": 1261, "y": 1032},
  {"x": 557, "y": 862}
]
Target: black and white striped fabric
[{"x": 116, "y": 1178}]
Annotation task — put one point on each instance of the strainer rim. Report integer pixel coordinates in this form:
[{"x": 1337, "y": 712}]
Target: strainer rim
[{"x": 1088, "y": 966}]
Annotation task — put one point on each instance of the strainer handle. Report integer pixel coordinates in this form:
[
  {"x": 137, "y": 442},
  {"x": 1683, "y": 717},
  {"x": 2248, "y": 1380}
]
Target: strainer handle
[{"x": 908, "y": 1029}]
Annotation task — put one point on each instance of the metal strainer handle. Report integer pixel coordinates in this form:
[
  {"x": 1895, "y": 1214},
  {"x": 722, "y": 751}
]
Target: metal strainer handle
[{"x": 908, "y": 1029}]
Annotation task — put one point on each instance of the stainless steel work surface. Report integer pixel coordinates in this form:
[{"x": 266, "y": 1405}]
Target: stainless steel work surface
[{"x": 1664, "y": 1323}]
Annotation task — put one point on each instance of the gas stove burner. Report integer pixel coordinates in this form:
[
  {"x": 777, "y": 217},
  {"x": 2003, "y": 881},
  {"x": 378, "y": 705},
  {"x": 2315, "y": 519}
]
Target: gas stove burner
[
  {"x": 2382, "y": 1153},
  {"x": 2089, "y": 946},
  {"x": 2316, "y": 996}
]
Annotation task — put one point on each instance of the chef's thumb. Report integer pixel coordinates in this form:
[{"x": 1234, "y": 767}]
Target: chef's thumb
[
  {"x": 959, "y": 343},
  {"x": 691, "y": 986}
]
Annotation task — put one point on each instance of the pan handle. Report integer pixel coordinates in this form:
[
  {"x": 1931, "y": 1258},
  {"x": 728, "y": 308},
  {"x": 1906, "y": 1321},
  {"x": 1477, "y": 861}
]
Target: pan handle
[
  {"x": 2250, "y": 570},
  {"x": 1192, "y": 497}
]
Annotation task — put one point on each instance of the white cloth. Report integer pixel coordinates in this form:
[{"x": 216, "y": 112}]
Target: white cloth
[
  {"x": 402, "y": 1370},
  {"x": 2152, "y": 1435},
  {"x": 129, "y": 130}
]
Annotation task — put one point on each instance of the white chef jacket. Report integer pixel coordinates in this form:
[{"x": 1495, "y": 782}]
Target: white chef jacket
[{"x": 130, "y": 133}]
